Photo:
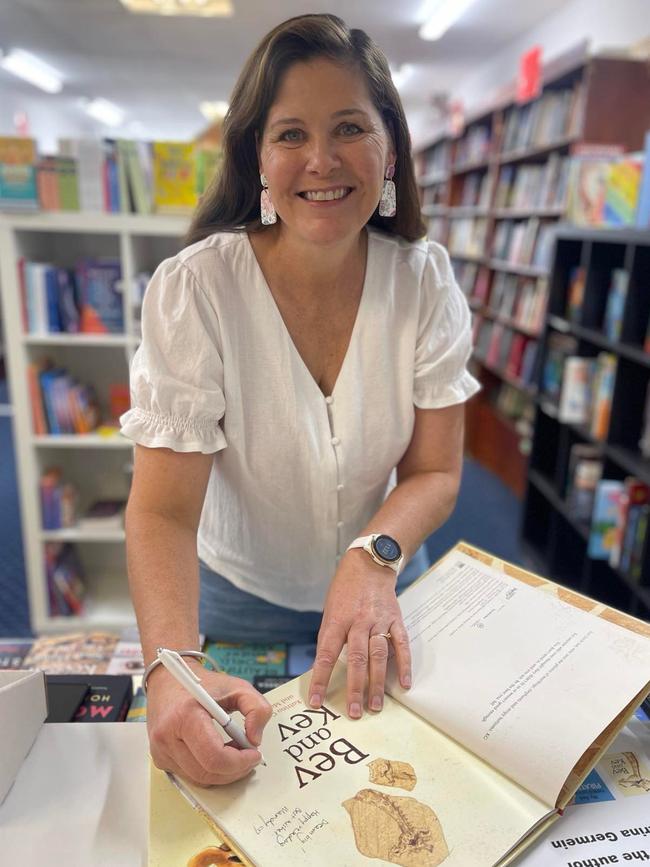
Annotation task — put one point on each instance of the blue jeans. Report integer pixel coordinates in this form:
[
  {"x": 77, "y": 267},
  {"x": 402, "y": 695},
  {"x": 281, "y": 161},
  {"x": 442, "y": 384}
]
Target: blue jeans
[{"x": 227, "y": 613}]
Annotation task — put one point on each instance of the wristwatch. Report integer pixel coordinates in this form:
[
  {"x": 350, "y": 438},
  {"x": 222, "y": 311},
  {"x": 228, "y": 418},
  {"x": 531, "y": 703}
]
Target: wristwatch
[{"x": 382, "y": 548}]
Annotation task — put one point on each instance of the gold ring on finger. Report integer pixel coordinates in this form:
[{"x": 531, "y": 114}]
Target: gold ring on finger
[{"x": 385, "y": 635}]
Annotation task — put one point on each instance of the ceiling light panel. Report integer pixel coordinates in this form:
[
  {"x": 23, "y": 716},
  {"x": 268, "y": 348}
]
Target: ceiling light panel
[
  {"x": 104, "y": 111},
  {"x": 440, "y": 15},
  {"x": 202, "y": 8},
  {"x": 32, "y": 69}
]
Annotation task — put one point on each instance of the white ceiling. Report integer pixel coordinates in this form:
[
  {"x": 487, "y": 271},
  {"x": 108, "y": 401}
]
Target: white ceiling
[{"x": 159, "y": 69}]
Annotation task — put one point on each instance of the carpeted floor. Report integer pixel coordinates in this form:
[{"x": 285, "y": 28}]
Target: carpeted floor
[{"x": 486, "y": 515}]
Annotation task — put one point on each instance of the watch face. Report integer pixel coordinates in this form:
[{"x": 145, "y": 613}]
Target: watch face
[{"x": 387, "y": 548}]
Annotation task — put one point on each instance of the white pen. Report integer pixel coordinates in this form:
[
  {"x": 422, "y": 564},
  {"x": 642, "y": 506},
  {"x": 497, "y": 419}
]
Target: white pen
[{"x": 177, "y": 667}]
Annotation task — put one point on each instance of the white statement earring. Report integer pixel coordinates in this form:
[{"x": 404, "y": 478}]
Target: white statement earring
[
  {"x": 388, "y": 201},
  {"x": 269, "y": 217}
]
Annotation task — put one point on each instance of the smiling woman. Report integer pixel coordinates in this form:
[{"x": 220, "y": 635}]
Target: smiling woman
[
  {"x": 304, "y": 346},
  {"x": 233, "y": 199}
]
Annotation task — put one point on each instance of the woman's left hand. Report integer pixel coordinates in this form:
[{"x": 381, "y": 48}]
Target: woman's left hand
[{"x": 361, "y": 609}]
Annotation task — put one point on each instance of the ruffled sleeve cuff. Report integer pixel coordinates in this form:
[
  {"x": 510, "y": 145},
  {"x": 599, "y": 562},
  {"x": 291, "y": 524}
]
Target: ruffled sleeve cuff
[
  {"x": 435, "y": 395},
  {"x": 173, "y": 432}
]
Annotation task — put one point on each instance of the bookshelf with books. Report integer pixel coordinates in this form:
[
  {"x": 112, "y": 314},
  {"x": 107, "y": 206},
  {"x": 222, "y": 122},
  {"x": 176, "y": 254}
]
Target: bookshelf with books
[
  {"x": 72, "y": 288},
  {"x": 587, "y": 501},
  {"x": 507, "y": 191},
  {"x": 432, "y": 168}
]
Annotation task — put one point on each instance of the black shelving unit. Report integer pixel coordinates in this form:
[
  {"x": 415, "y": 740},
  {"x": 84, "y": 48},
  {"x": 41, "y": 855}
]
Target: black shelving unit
[{"x": 556, "y": 541}]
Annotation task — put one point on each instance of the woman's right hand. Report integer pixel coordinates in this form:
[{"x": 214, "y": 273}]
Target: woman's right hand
[{"x": 182, "y": 734}]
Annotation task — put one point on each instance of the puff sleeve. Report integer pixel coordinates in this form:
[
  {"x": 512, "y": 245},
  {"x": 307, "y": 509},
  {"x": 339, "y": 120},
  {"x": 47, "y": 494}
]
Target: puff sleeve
[
  {"x": 177, "y": 398},
  {"x": 444, "y": 340}
]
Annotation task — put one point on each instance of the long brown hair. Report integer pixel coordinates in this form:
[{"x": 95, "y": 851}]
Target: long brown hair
[{"x": 232, "y": 200}]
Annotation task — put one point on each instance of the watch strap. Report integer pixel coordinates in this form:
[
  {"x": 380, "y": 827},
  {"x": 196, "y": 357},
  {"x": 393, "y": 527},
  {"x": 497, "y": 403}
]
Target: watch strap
[{"x": 360, "y": 542}]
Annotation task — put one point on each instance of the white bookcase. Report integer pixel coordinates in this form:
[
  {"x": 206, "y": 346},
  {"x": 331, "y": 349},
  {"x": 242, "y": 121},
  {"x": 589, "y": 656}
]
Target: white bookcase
[{"x": 98, "y": 466}]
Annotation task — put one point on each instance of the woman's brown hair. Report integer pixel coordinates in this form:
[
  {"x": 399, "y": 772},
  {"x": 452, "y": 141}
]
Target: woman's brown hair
[{"x": 232, "y": 200}]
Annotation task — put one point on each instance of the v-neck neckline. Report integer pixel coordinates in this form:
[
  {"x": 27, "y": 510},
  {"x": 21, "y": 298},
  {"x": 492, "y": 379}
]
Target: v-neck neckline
[{"x": 283, "y": 324}]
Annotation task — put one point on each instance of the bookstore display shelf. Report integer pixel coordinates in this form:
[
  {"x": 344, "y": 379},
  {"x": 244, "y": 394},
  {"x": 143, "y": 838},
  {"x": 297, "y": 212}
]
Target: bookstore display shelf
[
  {"x": 75, "y": 534},
  {"x": 513, "y": 159},
  {"x": 474, "y": 166},
  {"x": 583, "y": 530},
  {"x": 531, "y": 153},
  {"x": 457, "y": 211},
  {"x": 590, "y": 335},
  {"x": 432, "y": 178},
  {"x": 435, "y": 210},
  {"x": 546, "y": 488},
  {"x": 78, "y": 340},
  {"x": 108, "y": 607},
  {"x": 514, "y": 268},
  {"x": 588, "y": 492},
  {"x": 80, "y": 441},
  {"x": 506, "y": 377},
  {"x": 96, "y": 466},
  {"x": 509, "y": 322},
  {"x": 525, "y": 213},
  {"x": 78, "y": 222},
  {"x": 467, "y": 257}
]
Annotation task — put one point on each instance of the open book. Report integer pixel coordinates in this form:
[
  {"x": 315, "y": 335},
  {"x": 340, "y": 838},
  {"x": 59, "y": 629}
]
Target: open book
[{"x": 519, "y": 686}]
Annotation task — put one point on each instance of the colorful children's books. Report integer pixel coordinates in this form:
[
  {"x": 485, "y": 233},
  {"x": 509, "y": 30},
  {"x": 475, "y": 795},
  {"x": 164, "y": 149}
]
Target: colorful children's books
[
  {"x": 584, "y": 472},
  {"x": 174, "y": 177},
  {"x": 615, "y": 308},
  {"x": 643, "y": 210},
  {"x": 100, "y": 295},
  {"x": 18, "y": 186},
  {"x": 575, "y": 397},
  {"x": 622, "y": 188},
  {"x": 576, "y": 293},
  {"x": 603, "y": 393},
  {"x": 602, "y": 536}
]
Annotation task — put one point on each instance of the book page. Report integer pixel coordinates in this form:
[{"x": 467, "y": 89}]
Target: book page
[
  {"x": 388, "y": 786},
  {"x": 519, "y": 677}
]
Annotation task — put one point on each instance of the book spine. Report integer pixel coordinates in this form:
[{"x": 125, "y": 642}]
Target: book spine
[
  {"x": 46, "y": 381},
  {"x": 52, "y": 297},
  {"x": 36, "y": 400}
]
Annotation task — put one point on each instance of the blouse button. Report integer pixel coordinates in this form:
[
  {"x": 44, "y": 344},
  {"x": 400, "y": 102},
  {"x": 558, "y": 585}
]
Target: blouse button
[
  {"x": 339, "y": 524},
  {"x": 329, "y": 399},
  {"x": 340, "y": 487},
  {"x": 335, "y": 441}
]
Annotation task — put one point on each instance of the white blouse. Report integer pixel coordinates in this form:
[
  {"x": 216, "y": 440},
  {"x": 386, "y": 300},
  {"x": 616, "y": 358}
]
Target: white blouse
[{"x": 296, "y": 475}]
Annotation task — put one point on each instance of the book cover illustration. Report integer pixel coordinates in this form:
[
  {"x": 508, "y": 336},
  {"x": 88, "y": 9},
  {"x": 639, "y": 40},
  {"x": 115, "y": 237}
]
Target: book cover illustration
[
  {"x": 174, "y": 177},
  {"x": 78, "y": 652},
  {"x": 13, "y": 652},
  {"x": 248, "y": 660},
  {"x": 629, "y": 773},
  {"x": 622, "y": 186},
  {"x": 615, "y": 307},
  {"x": 100, "y": 290},
  {"x": 18, "y": 187},
  {"x": 602, "y": 536}
]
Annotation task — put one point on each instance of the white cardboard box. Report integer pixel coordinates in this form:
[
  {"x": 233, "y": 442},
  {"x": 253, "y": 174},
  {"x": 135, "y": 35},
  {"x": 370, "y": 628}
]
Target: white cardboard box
[{"x": 23, "y": 709}]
